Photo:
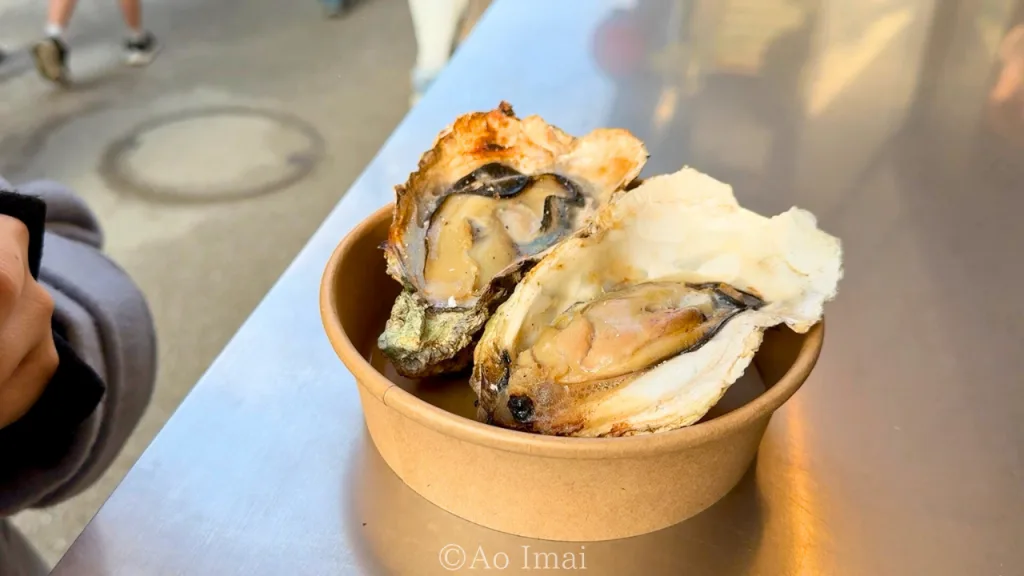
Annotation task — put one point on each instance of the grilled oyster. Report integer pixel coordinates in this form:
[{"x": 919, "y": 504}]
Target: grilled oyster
[
  {"x": 642, "y": 320},
  {"x": 492, "y": 196}
]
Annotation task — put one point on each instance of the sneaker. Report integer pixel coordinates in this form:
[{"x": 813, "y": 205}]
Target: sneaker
[
  {"x": 142, "y": 51},
  {"x": 51, "y": 58}
]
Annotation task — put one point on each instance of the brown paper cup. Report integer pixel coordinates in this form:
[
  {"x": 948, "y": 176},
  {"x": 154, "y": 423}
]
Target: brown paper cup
[{"x": 575, "y": 489}]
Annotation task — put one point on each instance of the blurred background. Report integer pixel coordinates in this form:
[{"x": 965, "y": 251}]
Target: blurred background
[{"x": 211, "y": 167}]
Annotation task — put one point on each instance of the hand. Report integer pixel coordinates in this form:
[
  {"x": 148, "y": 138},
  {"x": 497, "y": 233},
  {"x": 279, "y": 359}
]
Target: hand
[{"x": 28, "y": 357}]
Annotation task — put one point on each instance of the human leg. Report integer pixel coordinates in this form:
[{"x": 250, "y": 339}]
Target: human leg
[
  {"x": 51, "y": 55},
  {"x": 435, "y": 23},
  {"x": 131, "y": 11},
  {"x": 140, "y": 47},
  {"x": 58, "y": 14}
]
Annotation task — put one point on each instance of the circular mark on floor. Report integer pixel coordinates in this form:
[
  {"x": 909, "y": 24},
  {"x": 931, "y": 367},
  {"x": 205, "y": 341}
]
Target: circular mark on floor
[{"x": 212, "y": 154}]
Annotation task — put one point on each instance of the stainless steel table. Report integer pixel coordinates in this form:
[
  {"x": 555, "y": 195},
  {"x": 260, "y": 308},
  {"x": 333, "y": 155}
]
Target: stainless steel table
[{"x": 894, "y": 121}]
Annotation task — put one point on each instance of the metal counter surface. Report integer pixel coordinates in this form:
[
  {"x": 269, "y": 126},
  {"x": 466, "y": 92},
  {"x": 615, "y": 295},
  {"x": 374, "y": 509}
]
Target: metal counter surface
[{"x": 896, "y": 122}]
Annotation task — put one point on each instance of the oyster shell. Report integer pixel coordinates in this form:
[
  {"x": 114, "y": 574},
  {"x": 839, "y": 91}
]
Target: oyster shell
[
  {"x": 642, "y": 321},
  {"x": 492, "y": 196}
]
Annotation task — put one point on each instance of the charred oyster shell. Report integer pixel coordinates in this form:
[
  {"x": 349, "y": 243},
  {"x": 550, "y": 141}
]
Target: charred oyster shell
[{"x": 494, "y": 194}]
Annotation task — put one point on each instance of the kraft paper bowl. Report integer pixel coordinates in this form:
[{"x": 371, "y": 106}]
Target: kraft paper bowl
[{"x": 576, "y": 489}]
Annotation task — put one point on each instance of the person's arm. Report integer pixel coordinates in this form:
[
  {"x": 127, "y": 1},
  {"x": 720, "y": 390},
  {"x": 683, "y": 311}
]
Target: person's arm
[{"x": 87, "y": 409}]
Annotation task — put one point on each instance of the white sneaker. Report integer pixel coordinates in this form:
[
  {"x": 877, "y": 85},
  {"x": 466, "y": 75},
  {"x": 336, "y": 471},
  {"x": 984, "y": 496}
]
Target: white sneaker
[{"x": 142, "y": 51}]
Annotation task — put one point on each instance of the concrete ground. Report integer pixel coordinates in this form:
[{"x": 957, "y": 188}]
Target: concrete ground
[{"x": 204, "y": 265}]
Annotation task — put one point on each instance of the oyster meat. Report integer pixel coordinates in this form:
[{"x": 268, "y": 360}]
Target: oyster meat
[
  {"x": 642, "y": 320},
  {"x": 492, "y": 196}
]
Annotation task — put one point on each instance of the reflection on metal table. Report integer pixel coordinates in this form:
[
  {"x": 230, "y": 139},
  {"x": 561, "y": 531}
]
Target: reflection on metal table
[{"x": 897, "y": 122}]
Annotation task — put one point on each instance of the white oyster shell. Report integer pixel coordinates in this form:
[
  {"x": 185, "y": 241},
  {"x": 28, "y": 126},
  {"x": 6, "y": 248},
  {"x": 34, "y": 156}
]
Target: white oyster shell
[{"x": 684, "y": 228}]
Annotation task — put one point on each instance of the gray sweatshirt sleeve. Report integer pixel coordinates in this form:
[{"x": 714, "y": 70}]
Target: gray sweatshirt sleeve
[{"x": 105, "y": 319}]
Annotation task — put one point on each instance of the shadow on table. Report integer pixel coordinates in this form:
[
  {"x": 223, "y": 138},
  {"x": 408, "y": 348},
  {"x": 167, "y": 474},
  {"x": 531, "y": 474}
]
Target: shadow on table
[{"x": 395, "y": 531}]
